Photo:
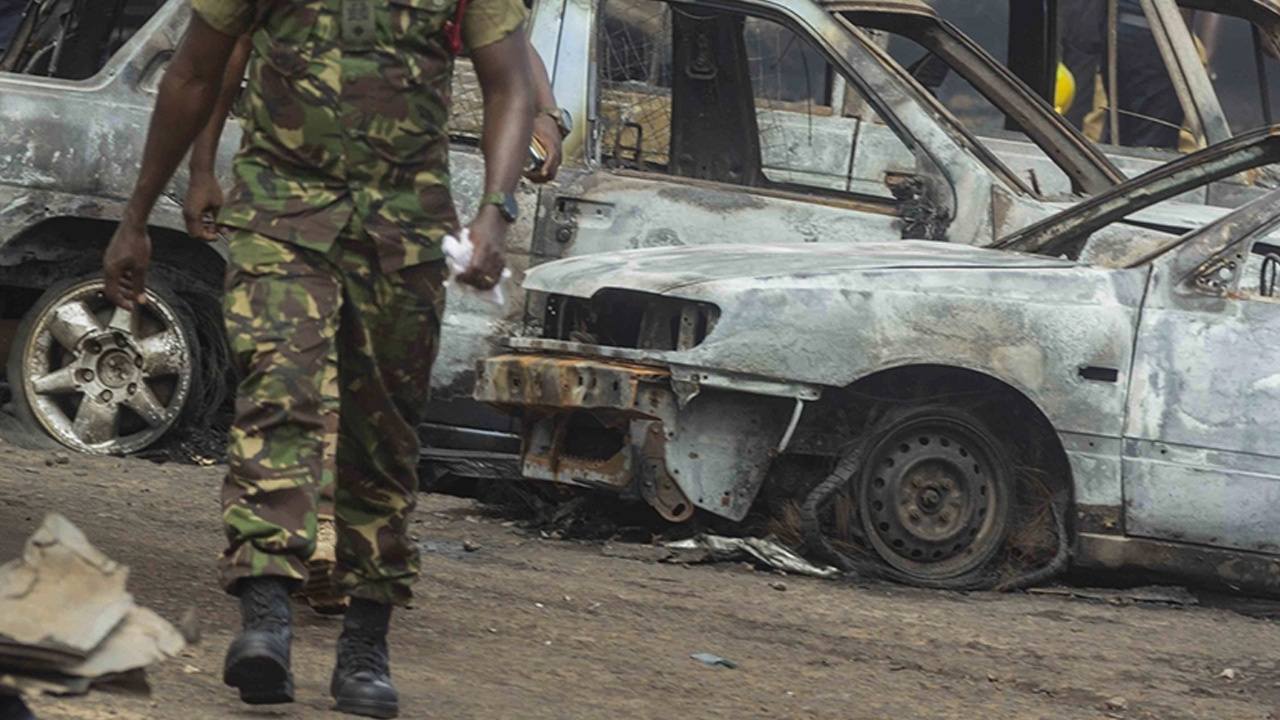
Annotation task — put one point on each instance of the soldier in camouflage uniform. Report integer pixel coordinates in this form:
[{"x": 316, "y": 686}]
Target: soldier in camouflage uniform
[
  {"x": 340, "y": 203},
  {"x": 205, "y": 199}
]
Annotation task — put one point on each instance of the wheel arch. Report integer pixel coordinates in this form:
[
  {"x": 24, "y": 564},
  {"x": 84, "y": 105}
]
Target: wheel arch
[
  {"x": 62, "y": 248},
  {"x": 67, "y": 247},
  {"x": 73, "y": 246},
  {"x": 1011, "y": 410}
]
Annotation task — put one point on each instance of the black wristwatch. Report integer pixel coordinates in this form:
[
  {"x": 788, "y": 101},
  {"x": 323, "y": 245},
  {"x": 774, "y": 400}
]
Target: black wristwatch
[{"x": 506, "y": 203}]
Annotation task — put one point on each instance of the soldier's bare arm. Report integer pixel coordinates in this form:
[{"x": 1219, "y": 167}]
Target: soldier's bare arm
[
  {"x": 187, "y": 95},
  {"x": 204, "y": 195},
  {"x": 505, "y": 81},
  {"x": 545, "y": 128}
]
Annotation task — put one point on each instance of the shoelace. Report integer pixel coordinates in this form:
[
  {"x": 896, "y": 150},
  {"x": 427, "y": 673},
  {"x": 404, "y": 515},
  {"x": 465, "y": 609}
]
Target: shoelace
[
  {"x": 365, "y": 653},
  {"x": 265, "y": 608}
]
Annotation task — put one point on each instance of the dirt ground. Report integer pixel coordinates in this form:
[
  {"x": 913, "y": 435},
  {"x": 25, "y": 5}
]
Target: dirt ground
[{"x": 527, "y": 627}]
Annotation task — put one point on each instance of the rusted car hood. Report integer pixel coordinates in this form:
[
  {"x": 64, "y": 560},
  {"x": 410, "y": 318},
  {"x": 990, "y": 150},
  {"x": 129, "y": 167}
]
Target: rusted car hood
[{"x": 661, "y": 270}]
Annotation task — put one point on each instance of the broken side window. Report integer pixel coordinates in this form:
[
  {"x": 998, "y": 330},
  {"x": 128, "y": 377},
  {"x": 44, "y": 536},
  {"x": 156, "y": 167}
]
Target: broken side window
[
  {"x": 73, "y": 39},
  {"x": 723, "y": 96}
]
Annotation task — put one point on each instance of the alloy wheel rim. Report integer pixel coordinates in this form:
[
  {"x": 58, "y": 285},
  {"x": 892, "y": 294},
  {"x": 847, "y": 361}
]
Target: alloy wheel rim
[{"x": 100, "y": 379}]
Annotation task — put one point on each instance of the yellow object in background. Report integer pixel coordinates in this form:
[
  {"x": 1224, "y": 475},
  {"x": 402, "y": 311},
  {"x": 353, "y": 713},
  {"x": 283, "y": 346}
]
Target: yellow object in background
[{"x": 1064, "y": 90}]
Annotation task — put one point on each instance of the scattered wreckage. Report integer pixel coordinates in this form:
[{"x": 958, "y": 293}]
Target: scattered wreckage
[
  {"x": 68, "y": 625},
  {"x": 1098, "y": 364}
]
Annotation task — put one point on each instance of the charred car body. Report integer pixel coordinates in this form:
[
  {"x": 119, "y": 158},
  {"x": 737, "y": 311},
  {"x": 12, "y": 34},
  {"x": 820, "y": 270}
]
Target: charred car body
[
  {"x": 1113, "y": 366},
  {"x": 77, "y": 85}
]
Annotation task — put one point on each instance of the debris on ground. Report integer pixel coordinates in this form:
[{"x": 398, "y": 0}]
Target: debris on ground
[
  {"x": 1117, "y": 703},
  {"x": 67, "y": 623},
  {"x": 764, "y": 551},
  {"x": 710, "y": 659},
  {"x": 1153, "y": 594},
  {"x": 1229, "y": 674}
]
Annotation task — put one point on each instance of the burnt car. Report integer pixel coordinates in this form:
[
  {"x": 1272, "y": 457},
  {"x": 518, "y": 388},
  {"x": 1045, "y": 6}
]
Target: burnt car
[
  {"x": 1115, "y": 367},
  {"x": 813, "y": 134}
]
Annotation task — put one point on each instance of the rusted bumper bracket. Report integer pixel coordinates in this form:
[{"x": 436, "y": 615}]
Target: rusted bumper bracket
[{"x": 620, "y": 425}]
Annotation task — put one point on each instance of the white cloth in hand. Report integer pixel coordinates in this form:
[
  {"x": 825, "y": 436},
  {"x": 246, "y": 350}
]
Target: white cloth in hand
[{"x": 457, "y": 255}]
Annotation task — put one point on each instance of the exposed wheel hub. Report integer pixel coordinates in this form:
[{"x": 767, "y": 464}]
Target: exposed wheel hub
[
  {"x": 116, "y": 368},
  {"x": 928, "y": 497}
]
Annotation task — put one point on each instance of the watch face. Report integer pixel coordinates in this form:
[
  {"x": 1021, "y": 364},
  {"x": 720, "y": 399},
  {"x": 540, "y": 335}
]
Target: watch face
[
  {"x": 509, "y": 208},
  {"x": 566, "y": 122}
]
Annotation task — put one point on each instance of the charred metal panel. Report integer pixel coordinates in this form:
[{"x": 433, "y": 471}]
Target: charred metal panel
[
  {"x": 713, "y": 116},
  {"x": 1205, "y": 505},
  {"x": 1095, "y": 468},
  {"x": 72, "y": 148},
  {"x": 722, "y": 446},
  {"x": 1250, "y": 572},
  {"x": 828, "y": 316},
  {"x": 644, "y": 211},
  {"x": 716, "y": 447}
]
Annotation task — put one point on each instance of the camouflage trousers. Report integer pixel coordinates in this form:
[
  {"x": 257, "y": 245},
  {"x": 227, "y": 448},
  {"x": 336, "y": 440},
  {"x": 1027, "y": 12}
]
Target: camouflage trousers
[{"x": 287, "y": 310}]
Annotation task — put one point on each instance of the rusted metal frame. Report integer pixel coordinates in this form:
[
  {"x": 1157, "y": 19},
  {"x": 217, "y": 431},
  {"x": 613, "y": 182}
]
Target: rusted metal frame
[
  {"x": 552, "y": 382},
  {"x": 1211, "y": 262},
  {"x": 642, "y": 422},
  {"x": 1242, "y": 153},
  {"x": 659, "y": 363},
  {"x": 1089, "y": 169},
  {"x": 852, "y": 53},
  {"x": 957, "y": 132},
  {"x": 1191, "y": 81}
]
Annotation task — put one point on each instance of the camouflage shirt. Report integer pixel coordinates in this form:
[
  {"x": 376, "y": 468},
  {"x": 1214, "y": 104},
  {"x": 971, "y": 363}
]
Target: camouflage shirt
[{"x": 345, "y": 111}]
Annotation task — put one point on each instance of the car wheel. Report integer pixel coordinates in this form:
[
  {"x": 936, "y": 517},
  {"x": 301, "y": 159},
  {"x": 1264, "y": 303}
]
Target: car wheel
[
  {"x": 99, "y": 379},
  {"x": 934, "y": 492}
]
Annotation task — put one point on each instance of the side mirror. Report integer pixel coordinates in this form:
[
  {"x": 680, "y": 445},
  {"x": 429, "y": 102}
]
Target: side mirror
[{"x": 922, "y": 217}]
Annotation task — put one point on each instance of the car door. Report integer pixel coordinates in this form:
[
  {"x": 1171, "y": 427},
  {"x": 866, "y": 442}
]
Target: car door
[
  {"x": 1201, "y": 451},
  {"x": 726, "y": 127}
]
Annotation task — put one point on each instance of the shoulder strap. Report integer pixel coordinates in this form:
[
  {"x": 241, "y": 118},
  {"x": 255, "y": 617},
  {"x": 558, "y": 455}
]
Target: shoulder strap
[{"x": 452, "y": 28}]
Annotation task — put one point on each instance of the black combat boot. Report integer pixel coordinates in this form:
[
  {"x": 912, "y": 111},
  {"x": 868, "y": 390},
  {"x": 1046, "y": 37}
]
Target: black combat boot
[
  {"x": 362, "y": 680},
  {"x": 258, "y": 661}
]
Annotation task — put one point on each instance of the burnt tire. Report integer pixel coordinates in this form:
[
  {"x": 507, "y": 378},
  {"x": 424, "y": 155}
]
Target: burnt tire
[
  {"x": 929, "y": 489},
  {"x": 101, "y": 380}
]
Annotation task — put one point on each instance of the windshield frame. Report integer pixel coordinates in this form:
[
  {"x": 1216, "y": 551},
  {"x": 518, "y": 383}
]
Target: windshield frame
[
  {"x": 1055, "y": 234},
  {"x": 1087, "y": 167}
]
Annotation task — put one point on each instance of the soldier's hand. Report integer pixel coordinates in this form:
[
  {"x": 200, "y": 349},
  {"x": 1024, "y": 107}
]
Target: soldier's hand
[
  {"x": 204, "y": 200},
  {"x": 548, "y": 135},
  {"x": 488, "y": 236},
  {"x": 126, "y": 262}
]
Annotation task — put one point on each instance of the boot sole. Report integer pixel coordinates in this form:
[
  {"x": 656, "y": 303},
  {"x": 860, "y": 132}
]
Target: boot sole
[
  {"x": 367, "y": 708},
  {"x": 261, "y": 679}
]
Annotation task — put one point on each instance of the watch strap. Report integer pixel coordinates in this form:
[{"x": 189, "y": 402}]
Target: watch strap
[
  {"x": 556, "y": 114},
  {"x": 506, "y": 203}
]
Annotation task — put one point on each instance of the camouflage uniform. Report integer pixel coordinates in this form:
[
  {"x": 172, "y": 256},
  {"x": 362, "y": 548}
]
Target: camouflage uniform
[{"x": 340, "y": 203}]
